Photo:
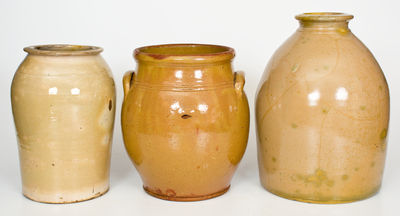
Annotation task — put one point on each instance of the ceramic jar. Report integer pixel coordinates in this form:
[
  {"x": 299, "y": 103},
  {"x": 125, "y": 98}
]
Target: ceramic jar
[
  {"x": 322, "y": 114},
  {"x": 185, "y": 120},
  {"x": 63, "y": 101}
]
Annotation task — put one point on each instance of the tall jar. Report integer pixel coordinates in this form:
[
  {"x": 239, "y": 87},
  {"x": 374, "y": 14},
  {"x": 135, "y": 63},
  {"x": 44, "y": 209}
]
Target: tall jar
[
  {"x": 185, "y": 120},
  {"x": 322, "y": 115},
  {"x": 63, "y": 102}
]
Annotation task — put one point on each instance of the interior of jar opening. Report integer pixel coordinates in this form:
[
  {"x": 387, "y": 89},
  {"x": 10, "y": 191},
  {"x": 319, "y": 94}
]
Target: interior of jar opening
[
  {"x": 324, "y": 14},
  {"x": 185, "y": 50},
  {"x": 66, "y": 48}
]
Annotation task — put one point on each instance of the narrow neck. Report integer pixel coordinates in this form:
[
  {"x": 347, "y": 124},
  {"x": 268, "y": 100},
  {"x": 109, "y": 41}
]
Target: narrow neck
[
  {"x": 324, "y": 21},
  {"x": 324, "y": 26}
]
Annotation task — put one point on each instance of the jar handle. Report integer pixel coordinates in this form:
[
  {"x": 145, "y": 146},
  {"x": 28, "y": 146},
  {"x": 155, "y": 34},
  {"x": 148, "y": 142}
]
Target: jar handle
[
  {"x": 127, "y": 82},
  {"x": 238, "y": 82}
]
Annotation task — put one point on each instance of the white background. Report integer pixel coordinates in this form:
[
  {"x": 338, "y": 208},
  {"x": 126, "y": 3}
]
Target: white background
[{"x": 254, "y": 28}]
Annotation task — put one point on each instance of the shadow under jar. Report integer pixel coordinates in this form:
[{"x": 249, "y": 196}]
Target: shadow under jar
[
  {"x": 63, "y": 102},
  {"x": 185, "y": 120},
  {"x": 322, "y": 115}
]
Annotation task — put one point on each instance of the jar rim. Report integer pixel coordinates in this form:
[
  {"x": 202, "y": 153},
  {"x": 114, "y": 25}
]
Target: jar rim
[
  {"x": 63, "y": 50},
  {"x": 324, "y": 16},
  {"x": 189, "y": 53}
]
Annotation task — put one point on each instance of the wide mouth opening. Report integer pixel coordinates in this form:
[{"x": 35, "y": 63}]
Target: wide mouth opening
[
  {"x": 324, "y": 17},
  {"x": 63, "y": 50},
  {"x": 183, "y": 51}
]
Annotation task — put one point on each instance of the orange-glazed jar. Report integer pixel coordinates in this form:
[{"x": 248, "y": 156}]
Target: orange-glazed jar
[{"x": 185, "y": 120}]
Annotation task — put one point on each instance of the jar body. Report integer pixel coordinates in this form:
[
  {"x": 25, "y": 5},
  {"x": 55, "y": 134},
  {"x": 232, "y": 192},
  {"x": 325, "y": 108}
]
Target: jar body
[
  {"x": 322, "y": 113},
  {"x": 185, "y": 128},
  {"x": 64, "y": 108}
]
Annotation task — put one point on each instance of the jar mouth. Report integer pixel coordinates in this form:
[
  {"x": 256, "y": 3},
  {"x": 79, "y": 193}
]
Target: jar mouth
[
  {"x": 184, "y": 53},
  {"x": 324, "y": 17},
  {"x": 63, "y": 50}
]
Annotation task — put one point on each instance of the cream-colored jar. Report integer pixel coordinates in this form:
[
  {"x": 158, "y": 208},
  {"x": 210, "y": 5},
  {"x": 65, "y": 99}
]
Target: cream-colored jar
[{"x": 63, "y": 102}]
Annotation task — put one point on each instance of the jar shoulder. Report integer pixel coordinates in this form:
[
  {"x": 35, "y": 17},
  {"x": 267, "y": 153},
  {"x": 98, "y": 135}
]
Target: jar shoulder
[{"x": 43, "y": 75}]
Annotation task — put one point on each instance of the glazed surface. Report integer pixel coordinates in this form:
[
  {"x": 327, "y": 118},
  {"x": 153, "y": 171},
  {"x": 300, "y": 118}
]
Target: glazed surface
[
  {"x": 322, "y": 115},
  {"x": 64, "y": 114},
  {"x": 185, "y": 127}
]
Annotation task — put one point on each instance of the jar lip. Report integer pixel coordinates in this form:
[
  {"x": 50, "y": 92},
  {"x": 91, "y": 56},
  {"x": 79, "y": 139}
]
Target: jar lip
[
  {"x": 324, "y": 17},
  {"x": 184, "y": 53},
  {"x": 63, "y": 50}
]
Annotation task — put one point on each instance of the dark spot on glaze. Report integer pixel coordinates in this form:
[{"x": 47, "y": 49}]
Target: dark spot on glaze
[
  {"x": 110, "y": 105},
  {"x": 273, "y": 159},
  {"x": 53, "y": 164},
  {"x": 61, "y": 198},
  {"x": 186, "y": 116},
  {"x": 383, "y": 134},
  {"x": 217, "y": 148},
  {"x": 170, "y": 193},
  {"x": 198, "y": 167}
]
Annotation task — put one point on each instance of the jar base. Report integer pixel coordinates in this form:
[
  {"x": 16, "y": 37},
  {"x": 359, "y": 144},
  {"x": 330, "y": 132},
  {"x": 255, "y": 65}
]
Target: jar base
[
  {"x": 64, "y": 201},
  {"x": 323, "y": 201},
  {"x": 185, "y": 198}
]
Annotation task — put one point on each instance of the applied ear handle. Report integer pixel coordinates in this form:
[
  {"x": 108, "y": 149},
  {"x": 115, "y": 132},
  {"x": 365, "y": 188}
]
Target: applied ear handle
[
  {"x": 238, "y": 82},
  {"x": 127, "y": 81}
]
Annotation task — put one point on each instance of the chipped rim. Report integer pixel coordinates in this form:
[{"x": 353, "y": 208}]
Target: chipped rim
[
  {"x": 186, "y": 198},
  {"x": 154, "y": 53},
  {"x": 63, "y": 50},
  {"x": 324, "y": 16},
  {"x": 69, "y": 201}
]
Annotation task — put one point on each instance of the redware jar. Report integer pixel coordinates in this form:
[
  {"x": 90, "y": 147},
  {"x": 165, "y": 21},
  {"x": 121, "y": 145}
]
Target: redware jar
[{"x": 185, "y": 120}]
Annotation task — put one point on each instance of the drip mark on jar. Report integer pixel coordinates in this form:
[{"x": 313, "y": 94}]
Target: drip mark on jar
[
  {"x": 170, "y": 192},
  {"x": 186, "y": 116},
  {"x": 383, "y": 134},
  {"x": 110, "y": 105}
]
